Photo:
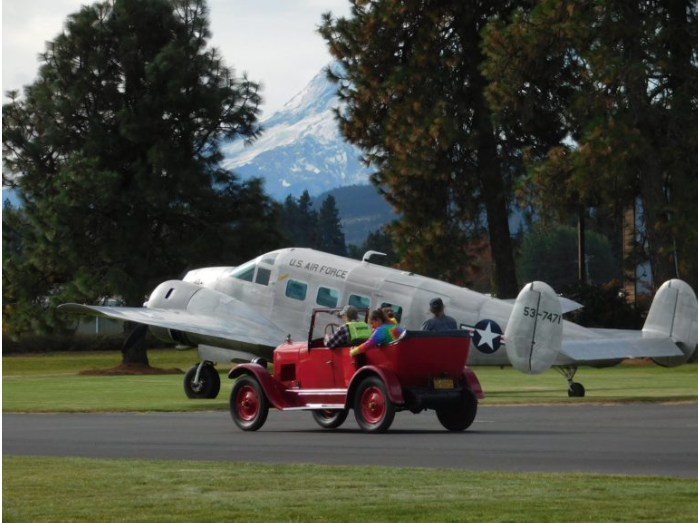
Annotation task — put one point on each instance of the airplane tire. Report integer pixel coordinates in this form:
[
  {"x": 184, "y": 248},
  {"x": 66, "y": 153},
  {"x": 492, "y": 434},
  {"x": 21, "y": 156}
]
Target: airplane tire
[
  {"x": 249, "y": 406},
  {"x": 458, "y": 418},
  {"x": 576, "y": 390},
  {"x": 330, "y": 419},
  {"x": 209, "y": 383},
  {"x": 373, "y": 409}
]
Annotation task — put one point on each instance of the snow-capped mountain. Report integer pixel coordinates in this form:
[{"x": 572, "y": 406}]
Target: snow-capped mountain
[{"x": 301, "y": 147}]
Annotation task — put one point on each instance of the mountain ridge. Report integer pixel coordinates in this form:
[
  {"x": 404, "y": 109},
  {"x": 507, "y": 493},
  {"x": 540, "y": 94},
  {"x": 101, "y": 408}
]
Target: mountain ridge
[{"x": 301, "y": 147}]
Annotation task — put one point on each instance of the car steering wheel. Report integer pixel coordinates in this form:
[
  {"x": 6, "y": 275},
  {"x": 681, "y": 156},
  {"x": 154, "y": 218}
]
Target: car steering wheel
[{"x": 331, "y": 328}]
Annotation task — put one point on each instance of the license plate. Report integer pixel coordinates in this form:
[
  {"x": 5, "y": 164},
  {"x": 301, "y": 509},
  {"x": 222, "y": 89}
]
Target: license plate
[{"x": 443, "y": 383}]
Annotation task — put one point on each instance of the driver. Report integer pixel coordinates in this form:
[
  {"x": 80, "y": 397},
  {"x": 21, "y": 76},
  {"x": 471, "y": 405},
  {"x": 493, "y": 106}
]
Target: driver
[{"x": 351, "y": 331}]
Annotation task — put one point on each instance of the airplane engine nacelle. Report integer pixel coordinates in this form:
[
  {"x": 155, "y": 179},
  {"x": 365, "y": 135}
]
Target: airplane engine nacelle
[
  {"x": 173, "y": 295},
  {"x": 533, "y": 335},
  {"x": 207, "y": 317}
]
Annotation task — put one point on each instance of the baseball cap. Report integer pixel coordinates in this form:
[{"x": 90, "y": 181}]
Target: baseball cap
[
  {"x": 436, "y": 304},
  {"x": 350, "y": 312}
]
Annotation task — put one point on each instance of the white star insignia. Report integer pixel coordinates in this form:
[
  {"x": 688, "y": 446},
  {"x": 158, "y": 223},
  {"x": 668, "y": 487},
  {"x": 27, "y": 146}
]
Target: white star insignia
[{"x": 487, "y": 337}]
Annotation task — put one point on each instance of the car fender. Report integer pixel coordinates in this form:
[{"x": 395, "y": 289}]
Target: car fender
[
  {"x": 271, "y": 387},
  {"x": 473, "y": 383},
  {"x": 389, "y": 378}
]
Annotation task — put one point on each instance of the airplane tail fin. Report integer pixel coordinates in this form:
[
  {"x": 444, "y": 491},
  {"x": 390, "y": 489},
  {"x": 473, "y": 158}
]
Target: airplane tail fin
[
  {"x": 674, "y": 313},
  {"x": 533, "y": 335}
]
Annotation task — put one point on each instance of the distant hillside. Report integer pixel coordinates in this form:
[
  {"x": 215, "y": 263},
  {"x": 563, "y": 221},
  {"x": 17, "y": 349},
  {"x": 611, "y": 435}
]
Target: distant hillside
[{"x": 361, "y": 209}]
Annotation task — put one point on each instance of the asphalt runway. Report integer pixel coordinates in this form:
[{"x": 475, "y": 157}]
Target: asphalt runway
[{"x": 635, "y": 439}]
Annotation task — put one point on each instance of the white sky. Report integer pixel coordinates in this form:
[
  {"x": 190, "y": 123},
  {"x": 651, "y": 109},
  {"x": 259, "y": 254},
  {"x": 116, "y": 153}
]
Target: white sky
[{"x": 274, "y": 41}]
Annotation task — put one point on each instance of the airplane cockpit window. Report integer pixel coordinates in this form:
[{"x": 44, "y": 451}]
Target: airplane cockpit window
[
  {"x": 270, "y": 258},
  {"x": 244, "y": 272},
  {"x": 263, "y": 276},
  {"x": 360, "y": 302},
  {"x": 397, "y": 310},
  {"x": 327, "y": 297},
  {"x": 296, "y": 290}
]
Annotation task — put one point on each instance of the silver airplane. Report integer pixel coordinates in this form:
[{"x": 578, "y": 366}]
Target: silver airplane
[{"x": 234, "y": 314}]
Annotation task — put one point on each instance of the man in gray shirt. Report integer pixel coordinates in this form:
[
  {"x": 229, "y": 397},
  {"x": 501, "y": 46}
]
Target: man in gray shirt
[{"x": 440, "y": 322}]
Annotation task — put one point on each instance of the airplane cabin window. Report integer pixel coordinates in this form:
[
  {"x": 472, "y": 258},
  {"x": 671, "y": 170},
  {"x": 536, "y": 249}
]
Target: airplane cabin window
[
  {"x": 327, "y": 297},
  {"x": 296, "y": 290},
  {"x": 263, "y": 276},
  {"x": 360, "y": 302},
  {"x": 396, "y": 309}
]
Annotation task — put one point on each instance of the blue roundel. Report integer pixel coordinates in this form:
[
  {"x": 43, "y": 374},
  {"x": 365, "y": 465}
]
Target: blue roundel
[{"x": 487, "y": 336}]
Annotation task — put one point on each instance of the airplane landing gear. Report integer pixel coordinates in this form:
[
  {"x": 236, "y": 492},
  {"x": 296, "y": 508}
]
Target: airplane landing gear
[
  {"x": 574, "y": 389},
  {"x": 202, "y": 381}
]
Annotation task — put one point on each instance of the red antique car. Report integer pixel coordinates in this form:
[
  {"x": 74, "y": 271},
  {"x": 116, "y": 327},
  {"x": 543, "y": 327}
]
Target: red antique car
[{"x": 421, "y": 370}]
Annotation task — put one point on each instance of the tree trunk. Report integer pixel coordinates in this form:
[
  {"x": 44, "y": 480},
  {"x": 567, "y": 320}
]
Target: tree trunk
[
  {"x": 651, "y": 175},
  {"x": 629, "y": 254},
  {"x": 684, "y": 178},
  {"x": 494, "y": 194},
  {"x": 659, "y": 243},
  {"x": 581, "y": 248},
  {"x": 500, "y": 237},
  {"x": 493, "y": 189},
  {"x": 135, "y": 350}
]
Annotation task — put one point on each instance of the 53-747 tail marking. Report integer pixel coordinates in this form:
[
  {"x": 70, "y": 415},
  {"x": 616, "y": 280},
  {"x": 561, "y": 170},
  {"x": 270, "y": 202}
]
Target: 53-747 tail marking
[{"x": 532, "y": 312}]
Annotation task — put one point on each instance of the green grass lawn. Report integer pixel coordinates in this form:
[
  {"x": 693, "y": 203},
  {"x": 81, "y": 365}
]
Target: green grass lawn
[
  {"x": 51, "y": 489},
  {"x": 50, "y": 383},
  {"x": 71, "y": 489}
]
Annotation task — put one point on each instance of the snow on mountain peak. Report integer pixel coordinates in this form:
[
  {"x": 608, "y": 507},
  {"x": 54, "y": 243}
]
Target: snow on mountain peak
[
  {"x": 317, "y": 97},
  {"x": 301, "y": 147}
]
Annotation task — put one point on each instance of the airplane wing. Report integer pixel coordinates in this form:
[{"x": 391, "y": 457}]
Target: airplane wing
[
  {"x": 535, "y": 339},
  {"x": 190, "y": 314},
  {"x": 612, "y": 346},
  {"x": 669, "y": 335},
  {"x": 259, "y": 331}
]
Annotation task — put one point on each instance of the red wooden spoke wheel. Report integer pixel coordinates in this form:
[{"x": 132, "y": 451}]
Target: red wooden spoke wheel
[
  {"x": 373, "y": 408},
  {"x": 249, "y": 406},
  {"x": 330, "y": 418}
]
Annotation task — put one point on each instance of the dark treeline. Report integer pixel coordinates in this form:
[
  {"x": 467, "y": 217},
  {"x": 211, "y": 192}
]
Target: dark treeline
[
  {"x": 576, "y": 109},
  {"x": 303, "y": 226},
  {"x": 573, "y": 108},
  {"x": 115, "y": 154}
]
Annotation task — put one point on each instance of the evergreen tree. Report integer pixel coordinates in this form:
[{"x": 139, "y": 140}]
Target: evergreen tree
[
  {"x": 114, "y": 150},
  {"x": 289, "y": 221},
  {"x": 330, "y": 237},
  {"x": 302, "y": 226},
  {"x": 381, "y": 241},
  {"x": 414, "y": 99},
  {"x": 624, "y": 76},
  {"x": 307, "y": 222}
]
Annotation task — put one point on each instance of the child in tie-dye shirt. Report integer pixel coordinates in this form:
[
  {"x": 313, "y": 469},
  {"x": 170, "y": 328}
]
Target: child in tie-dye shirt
[{"x": 384, "y": 333}]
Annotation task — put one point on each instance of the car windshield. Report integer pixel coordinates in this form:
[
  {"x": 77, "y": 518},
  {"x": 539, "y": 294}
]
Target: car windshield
[{"x": 326, "y": 322}]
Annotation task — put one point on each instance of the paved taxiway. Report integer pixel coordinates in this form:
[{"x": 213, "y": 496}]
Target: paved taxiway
[{"x": 648, "y": 439}]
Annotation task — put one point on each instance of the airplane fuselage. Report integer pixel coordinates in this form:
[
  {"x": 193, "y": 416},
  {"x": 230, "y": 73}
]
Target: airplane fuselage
[
  {"x": 286, "y": 285},
  {"x": 240, "y": 313}
]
